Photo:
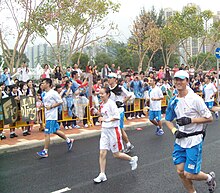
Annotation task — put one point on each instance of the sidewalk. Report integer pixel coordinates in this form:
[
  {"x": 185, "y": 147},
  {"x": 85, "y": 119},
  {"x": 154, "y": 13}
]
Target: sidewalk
[{"x": 37, "y": 137}]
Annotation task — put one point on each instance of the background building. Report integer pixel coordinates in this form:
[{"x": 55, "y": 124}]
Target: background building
[
  {"x": 194, "y": 46},
  {"x": 37, "y": 54}
]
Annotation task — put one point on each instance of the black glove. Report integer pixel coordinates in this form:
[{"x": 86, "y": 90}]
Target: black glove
[
  {"x": 119, "y": 104},
  {"x": 179, "y": 134},
  {"x": 183, "y": 121}
]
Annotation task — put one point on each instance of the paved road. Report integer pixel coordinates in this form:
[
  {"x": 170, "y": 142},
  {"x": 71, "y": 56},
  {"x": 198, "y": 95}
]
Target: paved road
[{"x": 22, "y": 172}]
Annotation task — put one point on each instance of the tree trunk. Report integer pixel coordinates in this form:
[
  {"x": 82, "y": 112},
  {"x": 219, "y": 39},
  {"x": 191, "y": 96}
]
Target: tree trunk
[
  {"x": 151, "y": 58},
  {"x": 140, "y": 65}
]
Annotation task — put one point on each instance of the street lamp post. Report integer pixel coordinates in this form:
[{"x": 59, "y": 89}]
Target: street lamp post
[
  {"x": 218, "y": 76},
  {"x": 217, "y": 55}
]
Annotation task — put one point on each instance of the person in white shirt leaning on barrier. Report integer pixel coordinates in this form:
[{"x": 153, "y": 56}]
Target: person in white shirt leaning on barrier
[
  {"x": 120, "y": 95},
  {"x": 190, "y": 113},
  {"x": 52, "y": 100},
  {"x": 155, "y": 95},
  {"x": 209, "y": 91},
  {"x": 111, "y": 138}
]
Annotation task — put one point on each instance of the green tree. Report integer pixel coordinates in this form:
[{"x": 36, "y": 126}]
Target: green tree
[
  {"x": 123, "y": 58},
  {"x": 169, "y": 41},
  {"x": 183, "y": 27},
  {"x": 121, "y": 55},
  {"x": 103, "y": 58},
  {"x": 17, "y": 57},
  {"x": 145, "y": 38},
  {"x": 73, "y": 22},
  {"x": 80, "y": 58},
  {"x": 16, "y": 16},
  {"x": 207, "y": 59},
  {"x": 1, "y": 60},
  {"x": 159, "y": 19}
]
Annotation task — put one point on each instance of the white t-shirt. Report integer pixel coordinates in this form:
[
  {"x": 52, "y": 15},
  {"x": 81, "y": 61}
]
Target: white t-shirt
[
  {"x": 155, "y": 93},
  {"x": 209, "y": 90},
  {"x": 191, "y": 71},
  {"x": 51, "y": 97},
  {"x": 167, "y": 86},
  {"x": 47, "y": 72},
  {"x": 79, "y": 71},
  {"x": 24, "y": 74},
  {"x": 110, "y": 110},
  {"x": 95, "y": 101},
  {"x": 191, "y": 106},
  {"x": 4, "y": 95},
  {"x": 18, "y": 93}
]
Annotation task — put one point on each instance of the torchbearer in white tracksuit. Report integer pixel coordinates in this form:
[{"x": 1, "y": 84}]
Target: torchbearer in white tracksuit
[{"x": 111, "y": 138}]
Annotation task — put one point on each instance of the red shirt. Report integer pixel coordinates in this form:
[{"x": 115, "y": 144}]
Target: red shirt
[
  {"x": 84, "y": 85},
  {"x": 97, "y": 87},
  {"x": 79, "y": 81},
  {"x": 175, "y": 70}
]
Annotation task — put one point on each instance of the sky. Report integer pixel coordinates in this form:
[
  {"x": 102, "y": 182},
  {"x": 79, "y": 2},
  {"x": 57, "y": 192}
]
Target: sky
[{"x": 131, "y": 8}]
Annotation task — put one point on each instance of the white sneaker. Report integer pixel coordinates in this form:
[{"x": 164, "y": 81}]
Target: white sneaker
[
  {"x": 101, "y": 178},
  {"x": 138, "y": 116},
  {"x": 77, "y": 126},
  {"x": 97, "y": 123},
  {"x": 86, "y": 125},
  {"x": 133, "y": 117},
  {"x": 133, "y": 163},
  {"x": 212, "y": 183},
  {"x": 129, "y": 118},
  {"x": 142, "y": 116},
  {"x": 66, "y": 127}
]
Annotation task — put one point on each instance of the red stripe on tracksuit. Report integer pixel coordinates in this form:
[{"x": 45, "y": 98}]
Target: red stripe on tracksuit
[{"x": 118, "y": 138}]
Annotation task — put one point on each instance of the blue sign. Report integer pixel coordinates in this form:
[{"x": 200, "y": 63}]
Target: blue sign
[{"x": 217, "y": 53}]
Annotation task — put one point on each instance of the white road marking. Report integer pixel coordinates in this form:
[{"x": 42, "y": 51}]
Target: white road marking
[{"x": 62, "y": 190}]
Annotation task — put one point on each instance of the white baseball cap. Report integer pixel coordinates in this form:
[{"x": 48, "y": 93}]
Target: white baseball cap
[
  {"x": 182, "y": 74},
  {"x": 112, "y": 75}
]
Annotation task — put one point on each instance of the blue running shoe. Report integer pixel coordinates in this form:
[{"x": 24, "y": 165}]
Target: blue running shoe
[
  {"x": 216, "y": 115},
  {"x": 160, "y": 132},
  {"x": 70, "y": 144},
  {"x": 42, "y": 154},
  {"x": 158, "y": 128}
]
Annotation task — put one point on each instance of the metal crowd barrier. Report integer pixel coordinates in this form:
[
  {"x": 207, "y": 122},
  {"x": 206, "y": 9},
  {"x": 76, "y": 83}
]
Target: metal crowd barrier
[{"x": 137, "y": 106}]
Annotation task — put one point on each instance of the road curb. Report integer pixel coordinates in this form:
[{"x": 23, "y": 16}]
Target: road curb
[
  {"x": 82, "y": 135},
  {"x": 53, "y": 140}
]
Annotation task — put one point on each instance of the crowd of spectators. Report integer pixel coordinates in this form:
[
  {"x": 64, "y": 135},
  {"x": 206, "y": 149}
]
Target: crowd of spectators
[{"x": 73, "y": 86}]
